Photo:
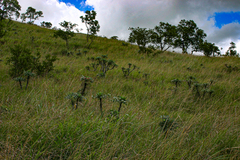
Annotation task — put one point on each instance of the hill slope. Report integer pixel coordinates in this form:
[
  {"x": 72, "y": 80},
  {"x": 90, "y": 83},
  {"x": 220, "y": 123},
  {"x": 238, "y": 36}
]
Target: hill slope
[{"x": 161, "y": 119}]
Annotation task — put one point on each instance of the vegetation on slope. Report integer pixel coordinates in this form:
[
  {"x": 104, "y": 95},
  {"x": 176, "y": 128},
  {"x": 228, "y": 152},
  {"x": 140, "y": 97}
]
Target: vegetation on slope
[{"x": 162, "y": 116}]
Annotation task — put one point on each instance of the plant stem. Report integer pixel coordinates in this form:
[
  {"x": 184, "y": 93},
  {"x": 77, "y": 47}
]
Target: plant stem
[
  {"x": 27, "y": 81},
  {"x": 101, "y": 106},
  {"x": 119, "y": 107}
]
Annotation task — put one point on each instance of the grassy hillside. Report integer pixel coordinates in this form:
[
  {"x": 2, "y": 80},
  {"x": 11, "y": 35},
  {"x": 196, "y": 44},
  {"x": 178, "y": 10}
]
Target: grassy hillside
[{"x": 39, "y": 123}]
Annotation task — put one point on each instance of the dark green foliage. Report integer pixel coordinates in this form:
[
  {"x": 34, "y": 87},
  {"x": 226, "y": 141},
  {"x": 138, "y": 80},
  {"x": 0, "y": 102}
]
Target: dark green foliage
[
  {"x": 188, "y": 34},
  {"x": 92, "y": 25},
  {"x": 20, "y": 60},
  {"x": 231, "y": 68},
  {"x": 32, "y": 14},
  {"x": 127, "y": 71},
  {"x": 45, "y": 66},
  {"x": 167, "y": 123},
  {"x": 231, "y": 50},
  {"x": 114, "y": 37},
  {"x": 8, "y": 8},
  {"x": 46, "y": 24},
  {"x": 141, "y": 36},
  {"x": 104, "y": 64},
  {"x": 164, "y": 35},
  {"x": 67, "y": 34},
  {"x": 209, "y": 49},
  {"x": 198, "y": 40}
]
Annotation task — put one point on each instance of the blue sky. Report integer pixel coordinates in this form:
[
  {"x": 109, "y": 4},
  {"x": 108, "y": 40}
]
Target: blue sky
[
  {"x": 80, "y": 4},
  {"x": 223, "y": 18}
]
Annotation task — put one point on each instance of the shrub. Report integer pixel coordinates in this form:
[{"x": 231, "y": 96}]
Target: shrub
[
  {"x": 127, "y": 71},
  {"x": 105, "y": 64},
  {"x": 19, "y": 61}
]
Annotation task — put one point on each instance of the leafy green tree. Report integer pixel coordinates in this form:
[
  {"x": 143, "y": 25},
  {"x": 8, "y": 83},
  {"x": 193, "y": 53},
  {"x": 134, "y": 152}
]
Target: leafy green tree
[
  {"x": 164, "y": 35},
  {"x": 231, "y": 50},
  {"x": 198, "y": 40},
  {"x": 20, "y": 60},
  {"x": 209, "y": 49},
  {"x": 8, "y": 8},
  {"x": 141, "y": 36},
  {"x": 186, "y": 34},
  {"x": 32, "y": 14},
  {"x": 67, "y": 33},
  {"x": 46, "y": 24},
  {"x": 91, "y": 23}
]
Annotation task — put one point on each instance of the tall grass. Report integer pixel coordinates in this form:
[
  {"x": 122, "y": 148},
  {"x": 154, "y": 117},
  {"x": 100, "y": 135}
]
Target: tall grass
[{"x": 39, "y": 123}]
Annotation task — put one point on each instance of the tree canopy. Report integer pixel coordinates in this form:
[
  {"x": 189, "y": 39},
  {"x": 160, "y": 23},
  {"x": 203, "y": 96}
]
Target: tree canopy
[{"x": 8, "y": 8}]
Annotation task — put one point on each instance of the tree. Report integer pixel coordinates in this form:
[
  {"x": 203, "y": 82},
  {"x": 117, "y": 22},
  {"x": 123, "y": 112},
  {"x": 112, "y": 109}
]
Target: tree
[
  {"x": 91, "y": 24},
  {"x": 231, "y": 50},
  {"x": 186, "y": 34},
  {"x": 209, "y": 49},
  {"x": 164, "y": 35},
  {"x": 67, "y": 34},
  {"x": 141, "y": 36},
  {"x": 8, "y": 8},
  {"x": 198, "y": 40},
  {"x": 32, "y": 14},
  {"x": 46, "y": 24}
]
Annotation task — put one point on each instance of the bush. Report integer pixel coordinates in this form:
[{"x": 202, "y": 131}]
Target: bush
[{"x": 22, "y": 60}]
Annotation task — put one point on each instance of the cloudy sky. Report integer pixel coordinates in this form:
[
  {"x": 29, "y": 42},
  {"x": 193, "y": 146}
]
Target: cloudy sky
[{"x": 220, "y": 19}]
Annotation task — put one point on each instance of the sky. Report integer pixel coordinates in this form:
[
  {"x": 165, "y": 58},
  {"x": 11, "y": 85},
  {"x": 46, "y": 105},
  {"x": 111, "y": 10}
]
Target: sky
[{"x": 220, "y": 19}]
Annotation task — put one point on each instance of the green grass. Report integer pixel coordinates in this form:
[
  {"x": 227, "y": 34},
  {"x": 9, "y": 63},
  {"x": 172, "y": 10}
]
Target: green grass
[{"x": 39, "y": 123}]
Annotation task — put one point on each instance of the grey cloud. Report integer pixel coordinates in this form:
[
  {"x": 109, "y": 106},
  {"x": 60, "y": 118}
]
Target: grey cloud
[{"x": 115, "y": 17}]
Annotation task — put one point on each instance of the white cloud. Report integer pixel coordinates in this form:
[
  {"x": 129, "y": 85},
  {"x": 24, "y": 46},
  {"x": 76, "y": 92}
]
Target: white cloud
[
  {"x": 54, "y": 11},
  {"x": 116, "y": 16}
]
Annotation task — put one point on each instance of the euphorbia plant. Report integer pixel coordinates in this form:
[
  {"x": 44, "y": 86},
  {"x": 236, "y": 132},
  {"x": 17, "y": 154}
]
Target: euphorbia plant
[
  {"x": 105, "y": 64},
  {"x": 121, "y": 100},
  {"x": 86, "y": 81},
  {"x": 127, "y": 71},
  {"x": 100, "y": 96},
  {"x": 176, "y": 82},
  {"x": 28, "y": 74},
  {"x": 190, "y": 81},
  {"x": 75, "y": 98},
  {"x": 19, "y": 79}
]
